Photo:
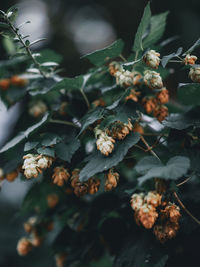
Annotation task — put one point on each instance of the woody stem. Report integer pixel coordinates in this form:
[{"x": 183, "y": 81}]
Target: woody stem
[
  {"x": 149, "y": 148},
  {"x": 185, "y": 209}
]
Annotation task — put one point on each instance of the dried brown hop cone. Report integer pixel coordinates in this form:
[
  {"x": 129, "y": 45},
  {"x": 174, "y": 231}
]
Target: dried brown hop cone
[
  {"x": 60, "y": 176},
  {"x": 112, "y": 179},
  {"x": 24, "y": 246},
  {"x": 163, "y": 96}
]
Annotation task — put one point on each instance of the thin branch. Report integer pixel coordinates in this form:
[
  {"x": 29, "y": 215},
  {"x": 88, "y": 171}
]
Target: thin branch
[
  {"x": 85, "y": 98},
  {"x": 15, "y": 31},
  {"x": 185, "y": 181},
  {"x": 185, "y": 209},
  {"x": 122, "y": 57},
  {"x": 149, "y": 148},
  {"x": 64, "y": 122}
]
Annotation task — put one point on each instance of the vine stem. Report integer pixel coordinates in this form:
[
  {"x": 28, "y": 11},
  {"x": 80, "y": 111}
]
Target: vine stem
[
  {"x": 85, "y": 98},
  {"x": 149, "y": 148},
  {"x": 185, "y": 209},
  {"x": 185, "y": 181},
  {"x": 64, "y": 122},
  {"x": 15, "y": 31}
]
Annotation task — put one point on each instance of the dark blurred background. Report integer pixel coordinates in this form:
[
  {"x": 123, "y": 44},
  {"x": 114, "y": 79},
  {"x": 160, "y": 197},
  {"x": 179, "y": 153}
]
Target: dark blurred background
[{"x": 73, "y": 28}]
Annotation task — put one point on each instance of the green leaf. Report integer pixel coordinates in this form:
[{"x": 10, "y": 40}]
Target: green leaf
[
  {"x": 50, "y": 139},
  {"x": 157, "y": 28},
  {"x": 23, "y": 135},
  {"x": 41, "y": 86},
  {"x": 100, "y": 57},
  {"x": 90, "y": 117},
  {"x": 184, "y": 120},
  {"x": 141, "y": 251},
  {"x": 98, "y": 162},
  {"x": 189, "y": 94},
  {"x": 70, "y": 84},
  {"x": 167, "y": 58},
  {"x": 4, "y": 25},
  {"x": 175, "y": 168},
  {"x": 30, "y": 145},
  {"x": 145, "y": 21},
  {"x": 147, "y": 163},
  {"x": 65, "y": 151},
  {"x": 195, "y": 45},
  {"x": 49, "y": 55},
  {"x": 46, "y": 151}
]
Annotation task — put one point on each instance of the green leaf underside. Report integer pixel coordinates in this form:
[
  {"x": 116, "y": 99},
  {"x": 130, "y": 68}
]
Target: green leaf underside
[
  {"x": 47, "y": 151},
  {"x": 65, "y": 151},
  {"x": 98, "y": 162},
  {"x": 185, "y": 120},
  {"x": 145, "y": 21},
  {"x": 167, "y": 58},
  {"x": 70, "y": 84},
  {"x": 99, "y": 57},
  {"x": 158, "y": 24},
  {"x": 23, "y": 135},
  {"x": 189, "y": 94},
  {"x": 175, "y": 168}
]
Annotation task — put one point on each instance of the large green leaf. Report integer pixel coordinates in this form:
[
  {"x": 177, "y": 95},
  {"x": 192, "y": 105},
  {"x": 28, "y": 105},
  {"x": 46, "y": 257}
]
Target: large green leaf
[
  {"x": 98, "y": 162},
  {"x": 100, "y": 57},
  {"x": 145, "y": 21},
  {"x": 175, "y": 168},
  {"x": 189, "y": 94},
  {"x": 158, "y": 24},
  {"x": 141, "y": 252},
  {"x": 184, "y": 120},
  {"x": 23, "y": 135},
  {"x": 91, "y": 117},
  {"x": 66, "y": 150}
]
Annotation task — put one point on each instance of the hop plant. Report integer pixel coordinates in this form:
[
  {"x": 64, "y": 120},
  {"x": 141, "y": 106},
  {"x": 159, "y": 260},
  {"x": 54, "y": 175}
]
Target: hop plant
[
  {"x": 152, "y": 59},
  {"x": 189, "y": 59},
  {"x": 121, "y": 130},
  {"x": 194, "y": 74},
  {"x": 153, "y": 79},
  {"x": 24, "y": 246},
  {"x": 105, "y": 143},
  {"x": 60, "y": 176},
  {"x": 37, "y": 108},
  {"x": 112, "y": 179}
]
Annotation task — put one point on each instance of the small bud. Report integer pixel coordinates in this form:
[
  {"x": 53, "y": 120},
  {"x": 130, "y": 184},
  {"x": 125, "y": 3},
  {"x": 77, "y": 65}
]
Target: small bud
[
  {"x": 36, "y": 239},
  {"x": 153, "y": 79},
  {"x": 60, "y": 259},
  {"x": 147, "y": 216},
  {"x": 163, "y": 96},
  {"x": 190, "y": 60},
  {"x": 24, "y": 246},
  {"x": 37, "y": 108},
  {"x": 153, "y": 198},
  {"x": 18, "y": 81},
  {"x": 133, "y": 95},
  {"x": 152, "y": 59},
  {"x": 160, "y": 112},
  {"x": 149, "y": 103},
  {"x": 194, "y": 74},
  {"x": 138, "y": 128},
  {"x": 120, "y": 130},
  {"x": 4, "y": 84},
  {"x": 93, "y": 186},
  {"x": 1, "y": 174},
  {"x": 114, "y": 67},
  {"x": 98, "y": 103},
  {"x": 137, "y": 201},
  {"x": 10, "y": 177},
  {"x": 52, "y": 200}
]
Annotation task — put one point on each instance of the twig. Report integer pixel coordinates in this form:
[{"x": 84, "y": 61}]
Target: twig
[
  {"x": 122, "y": 57},
  {"x": 15, "y": 31},
  {"x": 85, "y": 98},
  {"x": 64, "y": 122},
  {"x": 149, "y": 148},
  {"x": 185, "y": 181},
  {"x": 185, "y": 209}
]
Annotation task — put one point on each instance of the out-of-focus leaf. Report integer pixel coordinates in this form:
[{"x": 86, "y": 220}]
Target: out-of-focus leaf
[
  {"x": 167, "y": 58},
  {"x": 189, "y": 94},
  {"x": 66, "y": 150}
]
